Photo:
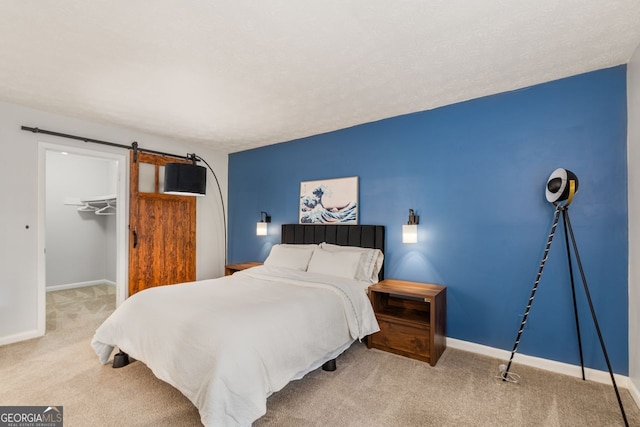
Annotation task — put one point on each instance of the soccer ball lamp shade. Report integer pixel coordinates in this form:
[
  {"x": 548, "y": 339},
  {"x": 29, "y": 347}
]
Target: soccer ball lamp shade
[
  {"x": 561, "y": 185},
  {"x": 185, "y": 179}
]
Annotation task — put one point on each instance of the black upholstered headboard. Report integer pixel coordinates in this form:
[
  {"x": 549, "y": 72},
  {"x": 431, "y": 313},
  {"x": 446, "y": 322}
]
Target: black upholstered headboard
[{"x": 364, "y": 236}]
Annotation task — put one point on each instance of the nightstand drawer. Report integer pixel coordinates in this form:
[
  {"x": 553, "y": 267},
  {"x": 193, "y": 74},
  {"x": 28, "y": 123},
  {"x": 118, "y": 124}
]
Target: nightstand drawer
[{"x": 402, "y": 339}]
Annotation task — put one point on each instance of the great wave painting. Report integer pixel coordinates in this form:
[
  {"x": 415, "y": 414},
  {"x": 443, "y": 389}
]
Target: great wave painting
[{"x": 329, "y": 201}]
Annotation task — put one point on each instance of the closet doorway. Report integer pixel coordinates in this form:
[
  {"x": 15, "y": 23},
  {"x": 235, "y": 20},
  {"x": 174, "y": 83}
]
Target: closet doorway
[{"x": 82, "y": 233}]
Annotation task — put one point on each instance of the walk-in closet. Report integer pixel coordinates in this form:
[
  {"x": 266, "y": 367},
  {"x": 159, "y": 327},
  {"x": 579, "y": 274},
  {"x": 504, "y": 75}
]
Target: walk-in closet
[{"x": 80, "y": 237}]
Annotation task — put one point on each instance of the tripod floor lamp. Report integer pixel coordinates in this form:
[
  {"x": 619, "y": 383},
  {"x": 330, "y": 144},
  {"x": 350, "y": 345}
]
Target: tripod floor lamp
[{"x": 562, "y": 185}]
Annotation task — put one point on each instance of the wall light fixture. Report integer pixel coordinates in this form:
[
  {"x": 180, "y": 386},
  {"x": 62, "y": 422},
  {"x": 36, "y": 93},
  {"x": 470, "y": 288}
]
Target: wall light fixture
[
  {"x": 261, "y": 227},
  {"x": 410, "y": 229}
]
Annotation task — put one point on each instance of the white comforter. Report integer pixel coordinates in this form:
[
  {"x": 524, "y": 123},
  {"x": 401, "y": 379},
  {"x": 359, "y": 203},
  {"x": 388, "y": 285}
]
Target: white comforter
[{"x": 228, "y": 343}]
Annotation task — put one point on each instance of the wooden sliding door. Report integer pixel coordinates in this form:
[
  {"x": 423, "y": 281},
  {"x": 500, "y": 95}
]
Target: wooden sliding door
[{"x": 162, "y": 227}]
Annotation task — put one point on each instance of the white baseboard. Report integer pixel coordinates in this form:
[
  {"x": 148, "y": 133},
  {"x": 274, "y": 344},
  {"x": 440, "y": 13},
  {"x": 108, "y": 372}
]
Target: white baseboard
[
  {"x": 546, "y": 364},
  {"x": 80, "y": 285},
  {"x": 634, "y": 392},
  {"x": 22, "y": 336}
]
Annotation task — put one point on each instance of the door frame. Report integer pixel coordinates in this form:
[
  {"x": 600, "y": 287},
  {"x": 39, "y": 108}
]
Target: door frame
[{"x": 122, "y": 220}]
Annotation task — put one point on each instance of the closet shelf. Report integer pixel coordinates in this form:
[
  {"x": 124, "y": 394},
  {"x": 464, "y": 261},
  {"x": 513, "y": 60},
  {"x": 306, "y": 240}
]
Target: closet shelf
[
  {"x": 99, "y": 199},
  {"x": 101, "y": 205}
]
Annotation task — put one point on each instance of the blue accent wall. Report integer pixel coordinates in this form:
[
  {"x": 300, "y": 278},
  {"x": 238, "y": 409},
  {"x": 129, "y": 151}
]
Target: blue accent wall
[{"x": 476, "y": 172}]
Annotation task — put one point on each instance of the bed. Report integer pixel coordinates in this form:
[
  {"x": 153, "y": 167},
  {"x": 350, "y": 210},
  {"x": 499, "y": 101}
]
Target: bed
[{"x": 227, "y": 344}]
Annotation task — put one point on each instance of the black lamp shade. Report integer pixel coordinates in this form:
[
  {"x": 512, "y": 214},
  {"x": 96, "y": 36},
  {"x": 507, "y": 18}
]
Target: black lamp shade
[{"x": 185, "y": 179}]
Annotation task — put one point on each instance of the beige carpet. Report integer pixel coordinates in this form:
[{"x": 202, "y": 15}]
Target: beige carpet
[{"x": 370, "y": 387}]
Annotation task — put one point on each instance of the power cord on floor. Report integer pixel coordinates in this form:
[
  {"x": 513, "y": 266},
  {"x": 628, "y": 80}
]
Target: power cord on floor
[{"x": 509, "y": 377}]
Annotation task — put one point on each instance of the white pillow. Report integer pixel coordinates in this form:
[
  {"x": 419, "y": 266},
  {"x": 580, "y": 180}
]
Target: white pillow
[
  {"x": 301, "y": 246},
  {"x": 289, "y": 257},
  {"x": 370, "y": 260},
  {"x": 341, "y": 264}
]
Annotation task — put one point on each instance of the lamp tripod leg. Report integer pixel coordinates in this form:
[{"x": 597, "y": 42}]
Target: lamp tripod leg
[
  {"x": 595, "y": 319},
  {"x": 552, "y": 233},
  {"x": 565, "y": 213}
]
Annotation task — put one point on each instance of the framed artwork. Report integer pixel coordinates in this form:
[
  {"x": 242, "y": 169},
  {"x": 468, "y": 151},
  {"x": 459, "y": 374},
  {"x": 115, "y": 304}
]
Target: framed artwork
[{"x": 329, "y": 201}]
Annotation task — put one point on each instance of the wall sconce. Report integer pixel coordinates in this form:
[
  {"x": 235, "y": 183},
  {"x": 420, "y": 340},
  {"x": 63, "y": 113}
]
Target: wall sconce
[
  {"x": 410, "y": 229},
  {"x": 261, "y": 227}
]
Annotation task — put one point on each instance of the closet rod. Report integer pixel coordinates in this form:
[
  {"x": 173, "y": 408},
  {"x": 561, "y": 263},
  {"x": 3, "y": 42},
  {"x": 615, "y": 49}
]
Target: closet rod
[{"x": 133, "y": 146}]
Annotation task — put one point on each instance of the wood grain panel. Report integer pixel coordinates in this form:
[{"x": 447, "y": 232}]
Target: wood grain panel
[
  {"x": 402, "y": 339},
  {"x": 162, "y": 243}
]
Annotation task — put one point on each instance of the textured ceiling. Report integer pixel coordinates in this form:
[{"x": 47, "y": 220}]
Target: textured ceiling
[{"x": 238, "y": 74}]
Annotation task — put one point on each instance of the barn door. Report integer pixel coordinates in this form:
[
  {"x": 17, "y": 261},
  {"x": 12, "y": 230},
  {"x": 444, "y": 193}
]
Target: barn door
[{"x": 162, "y": 239}]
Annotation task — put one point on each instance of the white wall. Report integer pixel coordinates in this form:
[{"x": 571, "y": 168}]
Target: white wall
[
  {"x": 633, "y": 100},
  {"x": 19, "y": 215},
  {"x": 78, "y": 243},
  {"x": 110, "y": 231}
]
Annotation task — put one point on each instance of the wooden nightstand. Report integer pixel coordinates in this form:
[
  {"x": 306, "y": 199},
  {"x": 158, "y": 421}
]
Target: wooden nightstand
[
  {"x": 229, "y": 269},
  {"x": 412, "y": 318}
]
